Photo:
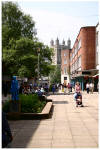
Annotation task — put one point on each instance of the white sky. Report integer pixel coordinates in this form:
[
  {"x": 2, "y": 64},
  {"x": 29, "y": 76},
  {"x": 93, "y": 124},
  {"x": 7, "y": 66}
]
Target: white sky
[{"x": 62, "y": 19}]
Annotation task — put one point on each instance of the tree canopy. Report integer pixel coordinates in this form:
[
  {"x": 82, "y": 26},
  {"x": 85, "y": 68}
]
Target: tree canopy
[
  {"x": 55, "y": 75},
  {"x": 20, "y": 44}
]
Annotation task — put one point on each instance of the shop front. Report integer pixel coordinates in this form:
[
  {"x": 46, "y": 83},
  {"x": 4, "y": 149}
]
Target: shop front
[{"x": 84, "y": 79}]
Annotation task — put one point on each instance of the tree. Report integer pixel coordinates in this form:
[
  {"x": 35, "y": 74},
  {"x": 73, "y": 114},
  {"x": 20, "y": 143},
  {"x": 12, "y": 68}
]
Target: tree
[
  {"x": 55, "y": 75},
  {"x": 22, "y": 60},
  {"x": 20, "y": 45},
  {"x": 15, "y": 24}
]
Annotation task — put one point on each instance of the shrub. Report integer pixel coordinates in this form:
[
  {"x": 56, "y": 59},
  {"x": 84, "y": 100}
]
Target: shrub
[
  {"x": 29, "y": 104},
  {"x": 6, "y": 106}
]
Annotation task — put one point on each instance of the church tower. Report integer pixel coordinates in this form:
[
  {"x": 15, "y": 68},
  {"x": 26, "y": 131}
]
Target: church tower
[
  {"x": 52, "y": 43},
  {"x": 57, "y": 41},
  {"x": 63, "y": 42},
  {"x": 69, "y": 43}
]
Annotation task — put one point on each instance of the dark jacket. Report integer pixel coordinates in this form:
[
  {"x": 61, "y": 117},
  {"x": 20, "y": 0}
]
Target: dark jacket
[{"x": 6, "y": 132}]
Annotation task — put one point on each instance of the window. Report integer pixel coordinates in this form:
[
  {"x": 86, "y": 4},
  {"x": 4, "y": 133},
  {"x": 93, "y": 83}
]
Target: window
[
  {"x": 75, "y": 51},
  {"x": 79, "y": 61},
  {"x": 75, "y": 65},
  {"x": 70, "y": 58},
  {"x": 65, "y": 61},
  {"x": 79, "y": 44},
  {"x": 64, "y": 70},
  {"x": 65, "y": 78},
  {"x": 97, "y": 39},
  {"x": 64, "y": 54},
  {"x": 72, "y": 55},
  {"x": 97, "y": 58}
]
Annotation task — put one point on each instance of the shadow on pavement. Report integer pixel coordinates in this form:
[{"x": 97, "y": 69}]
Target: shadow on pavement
[
  {"x": 60, "y": 102},
  {"x": 51, "y": 112},
  {"x": 59, "y": 94},
  {"x": 22, "y": 131}
]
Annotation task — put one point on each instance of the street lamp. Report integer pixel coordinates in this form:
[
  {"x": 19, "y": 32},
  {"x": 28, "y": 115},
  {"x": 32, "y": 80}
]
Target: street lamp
[{"x": 38, "y": 64}]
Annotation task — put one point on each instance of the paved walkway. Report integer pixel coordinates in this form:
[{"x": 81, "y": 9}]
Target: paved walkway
[{"x": 69, "y": 127}]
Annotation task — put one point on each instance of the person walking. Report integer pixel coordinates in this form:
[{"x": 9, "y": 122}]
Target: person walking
[
  {"x": 53, "y": 88},
  {"x": 65, "y": 87},
  {"x": 69, "y": 88},
  {"x": 87, "y": 87},
  {"x": 91, "y": 87},
  {"x": 98, "y": 87}
]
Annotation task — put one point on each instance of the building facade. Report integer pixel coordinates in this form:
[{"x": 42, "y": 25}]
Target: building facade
[
  {"x": 65, "y": 63},
  {"x": 97, "y": 45},
  {"x": 56, "y": 60},
  {"x": 83, "y": 57},
  {"x": 61, "y": 58}
]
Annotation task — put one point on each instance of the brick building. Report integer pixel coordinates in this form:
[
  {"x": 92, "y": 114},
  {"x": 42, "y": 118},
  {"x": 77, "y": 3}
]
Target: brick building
[
  {"x": 65, "y": 63},
  {"x": 97, "y": 46},
  {"x": 83, "y": 56}
]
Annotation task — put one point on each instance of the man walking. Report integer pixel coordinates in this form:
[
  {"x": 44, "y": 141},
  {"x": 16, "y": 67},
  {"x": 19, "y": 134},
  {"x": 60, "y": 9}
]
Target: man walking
[
  {"x": 87, "y": 87},
  {"x": 91, "y": 87}
]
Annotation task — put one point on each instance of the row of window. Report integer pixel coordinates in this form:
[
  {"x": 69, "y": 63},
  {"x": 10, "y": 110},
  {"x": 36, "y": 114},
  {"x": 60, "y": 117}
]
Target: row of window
[
  {"x": 76, "y": 65},
  {"x": 97, "y": 38},
  {"x": 65, "y": 71},
  {"x": 76, "y": 50}
]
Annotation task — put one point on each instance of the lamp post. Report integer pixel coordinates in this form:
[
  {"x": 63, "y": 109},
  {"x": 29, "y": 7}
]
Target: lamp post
[{"x": 38, "y": 64}]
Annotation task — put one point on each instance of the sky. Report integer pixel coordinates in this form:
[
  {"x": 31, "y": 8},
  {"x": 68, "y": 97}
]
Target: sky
[{"x": 62, "y": 19}]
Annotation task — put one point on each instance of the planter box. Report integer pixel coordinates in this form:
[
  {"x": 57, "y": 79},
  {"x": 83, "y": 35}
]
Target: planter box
[
  {"x": 15, "y": 110},
  {"x": 43, "y": 115}
]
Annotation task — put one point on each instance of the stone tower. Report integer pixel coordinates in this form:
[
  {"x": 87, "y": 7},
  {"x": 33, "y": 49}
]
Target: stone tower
[
  {"x": 52, "y": 43},
  {"x": 57, "y": 50},
  {"x": 57, "y": 41},
  {"x": 63, "y": 42},
  {"x": 69, "y": 43}
]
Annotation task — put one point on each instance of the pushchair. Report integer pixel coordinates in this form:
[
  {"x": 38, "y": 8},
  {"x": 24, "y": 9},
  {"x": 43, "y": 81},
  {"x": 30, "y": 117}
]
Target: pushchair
[{"x": 79, "y": 101}]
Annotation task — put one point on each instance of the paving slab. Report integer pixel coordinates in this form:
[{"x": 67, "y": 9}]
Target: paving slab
[
  {"x": 68, "y": 127},
  {"x": 59, "y": 143},
  {"x": 39, "y": 143}
]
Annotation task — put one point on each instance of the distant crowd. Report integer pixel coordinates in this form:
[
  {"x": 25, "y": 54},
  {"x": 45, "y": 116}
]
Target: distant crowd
[
  {"x": 43, "y": 89},
  {"x": 90, "y": 87}
]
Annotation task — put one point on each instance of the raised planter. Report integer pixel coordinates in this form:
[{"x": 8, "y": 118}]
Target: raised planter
[{"x": 43, "y": 115}]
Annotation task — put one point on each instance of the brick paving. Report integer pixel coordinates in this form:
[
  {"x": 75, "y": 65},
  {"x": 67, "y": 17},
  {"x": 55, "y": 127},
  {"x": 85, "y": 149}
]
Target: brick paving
[{"x": 69, "y": 126}]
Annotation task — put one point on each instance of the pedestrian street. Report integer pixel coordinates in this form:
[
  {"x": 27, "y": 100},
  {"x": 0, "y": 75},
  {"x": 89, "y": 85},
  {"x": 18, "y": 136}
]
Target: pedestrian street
[{"x": 68, "y": 127}]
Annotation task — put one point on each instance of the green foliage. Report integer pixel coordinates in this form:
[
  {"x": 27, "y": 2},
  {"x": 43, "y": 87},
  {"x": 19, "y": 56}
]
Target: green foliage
[
  {"x": 23, "y": 71},
  {"x": 50, "y": 88},
  {"x": 6, "y": 106},
  {"x": 29, "y": 104},
  {"x": 15, "y": 23},
  {"x": 55, "y": 75},
  {"x": 20, "y": 45}
]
